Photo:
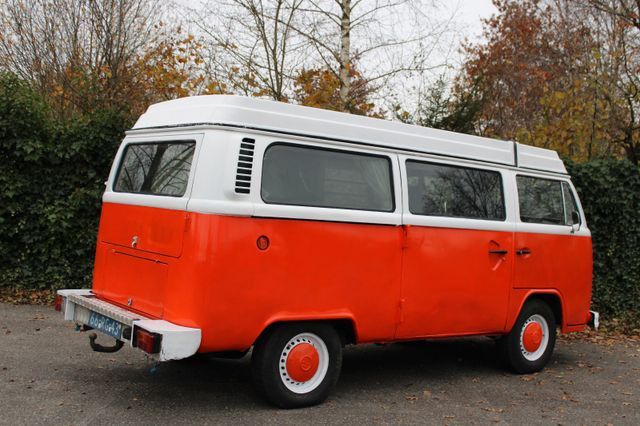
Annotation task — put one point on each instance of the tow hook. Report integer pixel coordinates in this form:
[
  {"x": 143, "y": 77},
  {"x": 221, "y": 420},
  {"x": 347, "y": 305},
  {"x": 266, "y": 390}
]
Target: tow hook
[{"x": 97, "y": 347}]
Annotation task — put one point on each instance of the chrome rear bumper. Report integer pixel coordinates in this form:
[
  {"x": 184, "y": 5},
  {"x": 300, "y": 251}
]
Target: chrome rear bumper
[{"x": 177, "y": 342}]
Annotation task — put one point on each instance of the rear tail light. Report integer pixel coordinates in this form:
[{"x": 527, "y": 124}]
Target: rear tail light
[
  {"x": 147, "y": 341},
  {"x": 58, "y": 302}
]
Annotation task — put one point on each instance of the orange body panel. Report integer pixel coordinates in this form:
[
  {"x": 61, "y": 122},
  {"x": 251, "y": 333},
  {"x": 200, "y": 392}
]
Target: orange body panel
[
  {"x": 452, "y": 285},
  {"x": 159, "y": 231},
  {"x": 391, "y": 282},
  {"x": 138, "y": 282},
  {"x": 557, "y": 262}
]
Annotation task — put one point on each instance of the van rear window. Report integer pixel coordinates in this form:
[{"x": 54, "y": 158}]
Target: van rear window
[{"x": 159, "y": 168}]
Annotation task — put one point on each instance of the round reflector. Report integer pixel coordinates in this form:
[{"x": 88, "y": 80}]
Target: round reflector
[{"x": 263, "y": 242}]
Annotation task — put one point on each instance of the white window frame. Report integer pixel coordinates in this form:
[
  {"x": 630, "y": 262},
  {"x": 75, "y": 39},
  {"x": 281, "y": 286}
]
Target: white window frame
[
  {"x": 549, "y": 228},
  {"x": 262, "y": 209},
  {"x": 409, "y": 218},
  {"x": 149, "y": 200}
]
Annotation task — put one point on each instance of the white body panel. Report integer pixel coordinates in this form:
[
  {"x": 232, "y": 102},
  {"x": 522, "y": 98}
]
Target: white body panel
[
  {"x": 177, "y": 342},
  {"x": 211, "y": 184}
]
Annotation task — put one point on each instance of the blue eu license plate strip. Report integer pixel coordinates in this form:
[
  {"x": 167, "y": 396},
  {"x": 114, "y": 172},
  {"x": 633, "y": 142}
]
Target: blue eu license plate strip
[{"x": 106, "y": 325}]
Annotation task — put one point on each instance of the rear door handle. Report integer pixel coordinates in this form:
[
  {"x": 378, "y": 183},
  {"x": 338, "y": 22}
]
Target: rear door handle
[
  {"x": 500, "y": 252},
  {"x": 522, "y": 252}
]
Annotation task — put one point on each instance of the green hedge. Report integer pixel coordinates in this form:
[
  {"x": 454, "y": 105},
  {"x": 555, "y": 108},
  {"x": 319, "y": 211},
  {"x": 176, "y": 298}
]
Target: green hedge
[
  {"x": 52, "y": 174},
  {"x": 610, "y": 194}
]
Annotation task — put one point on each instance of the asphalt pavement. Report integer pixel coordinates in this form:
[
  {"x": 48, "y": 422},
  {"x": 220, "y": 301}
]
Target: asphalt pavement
[{"x": 48, "y": 374}]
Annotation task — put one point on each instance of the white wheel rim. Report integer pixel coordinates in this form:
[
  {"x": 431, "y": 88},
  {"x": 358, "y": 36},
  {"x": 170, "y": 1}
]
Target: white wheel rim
[
  {"x": 542, "y": 322},
  {"x": 323, "y": 363}
]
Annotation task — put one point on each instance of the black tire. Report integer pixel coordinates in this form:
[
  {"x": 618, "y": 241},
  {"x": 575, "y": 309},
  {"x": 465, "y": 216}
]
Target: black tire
[
  {"x": 268, "y": 364},
  {"x": 513, "y": 351}
]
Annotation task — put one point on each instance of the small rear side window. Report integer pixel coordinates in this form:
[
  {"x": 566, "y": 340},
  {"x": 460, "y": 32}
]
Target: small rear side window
[
  {"x": 159, "y": 168},
  {"x": 541, "y": 200}
]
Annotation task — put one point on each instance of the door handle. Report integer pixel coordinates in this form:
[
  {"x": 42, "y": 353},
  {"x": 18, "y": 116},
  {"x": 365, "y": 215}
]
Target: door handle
[
  {"x": 500, "y": 252},
  {"x": 523, "y": 251}
]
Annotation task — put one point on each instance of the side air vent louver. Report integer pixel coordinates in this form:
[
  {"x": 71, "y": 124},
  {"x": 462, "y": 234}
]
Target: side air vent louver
[{"x": 245, "y": 165}]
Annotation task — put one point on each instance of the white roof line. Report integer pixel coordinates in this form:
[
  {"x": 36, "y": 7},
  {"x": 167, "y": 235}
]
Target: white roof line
[{"x": 280, "y": 117}]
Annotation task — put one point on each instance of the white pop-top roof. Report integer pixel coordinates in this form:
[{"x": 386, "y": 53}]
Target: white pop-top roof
[{"x": 240, "y": 111}]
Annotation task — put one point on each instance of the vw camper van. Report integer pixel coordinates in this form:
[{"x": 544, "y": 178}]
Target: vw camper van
[{"x": 230, "y": 223}]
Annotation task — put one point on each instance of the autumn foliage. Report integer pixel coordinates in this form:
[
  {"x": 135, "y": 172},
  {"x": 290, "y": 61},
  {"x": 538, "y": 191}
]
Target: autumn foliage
[
  {"x": 320, "y": 88},
  {"x": 556, "y": 75},
  {"x": 166, "y": 69}
]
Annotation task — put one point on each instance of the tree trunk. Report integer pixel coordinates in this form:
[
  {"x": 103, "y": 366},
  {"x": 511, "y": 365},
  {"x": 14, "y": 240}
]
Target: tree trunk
[{"x": 345, "y": 55}]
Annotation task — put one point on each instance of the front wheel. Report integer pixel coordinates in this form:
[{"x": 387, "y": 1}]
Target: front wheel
[
  {"x": 297, "y": 365},
  {"x": 529, "y": 345}
]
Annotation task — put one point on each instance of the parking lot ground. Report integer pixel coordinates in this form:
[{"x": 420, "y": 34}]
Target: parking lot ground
[{"x": 48, "y": 374}]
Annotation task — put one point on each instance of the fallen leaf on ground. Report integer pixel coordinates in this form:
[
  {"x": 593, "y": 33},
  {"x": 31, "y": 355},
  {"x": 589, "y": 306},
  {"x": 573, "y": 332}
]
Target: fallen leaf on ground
[{"x": 17, "y": 296}]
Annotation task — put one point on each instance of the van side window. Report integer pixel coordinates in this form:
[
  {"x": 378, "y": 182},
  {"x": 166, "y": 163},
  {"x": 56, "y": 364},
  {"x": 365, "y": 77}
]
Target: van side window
[
  {"x": 159, "y": 168},
  {"x": 453, "y": 191},
  {"x": 541, "y": 200},
  {"x": 570, "y": 204},
  {"x": 316, "y": 177}
]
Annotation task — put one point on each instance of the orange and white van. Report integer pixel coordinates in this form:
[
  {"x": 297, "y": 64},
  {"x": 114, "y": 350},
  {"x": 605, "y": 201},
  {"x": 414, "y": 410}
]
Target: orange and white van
[{"x": 231, "y": 223}]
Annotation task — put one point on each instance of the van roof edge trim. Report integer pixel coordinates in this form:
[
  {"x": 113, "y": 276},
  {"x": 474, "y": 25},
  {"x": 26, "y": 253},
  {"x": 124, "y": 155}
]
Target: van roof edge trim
[{"x": 361, "y": 143}]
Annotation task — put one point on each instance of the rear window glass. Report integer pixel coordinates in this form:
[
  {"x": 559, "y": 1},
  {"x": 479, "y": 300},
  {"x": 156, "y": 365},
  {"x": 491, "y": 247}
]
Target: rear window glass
[
  {"x": 305, "y": 176},
  {"x": 160, "y": 168},
  {"x": 453, "y": 191}
]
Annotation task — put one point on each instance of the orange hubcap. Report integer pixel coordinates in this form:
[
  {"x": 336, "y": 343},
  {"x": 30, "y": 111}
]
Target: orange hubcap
[
  {"x": 302, "y": 362},
  {"x": 532, "y": 337}
]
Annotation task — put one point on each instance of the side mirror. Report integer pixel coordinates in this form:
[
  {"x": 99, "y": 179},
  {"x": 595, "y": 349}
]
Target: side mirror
[{"x": 575, "y": 221}]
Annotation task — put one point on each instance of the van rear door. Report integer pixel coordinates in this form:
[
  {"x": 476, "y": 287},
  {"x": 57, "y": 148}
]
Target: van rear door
[
  {"x": 142, "y": 228},
  {"x": 143, "y": 221}
]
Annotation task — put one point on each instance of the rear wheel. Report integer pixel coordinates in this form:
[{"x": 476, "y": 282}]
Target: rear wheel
[
  {"x": 529, "y": 345},
  {"x": 297, "y": 365}
]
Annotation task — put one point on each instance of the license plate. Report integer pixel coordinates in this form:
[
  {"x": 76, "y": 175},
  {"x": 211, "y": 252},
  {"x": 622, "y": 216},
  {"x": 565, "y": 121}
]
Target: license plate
[{"x": 106, "y": 325}]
